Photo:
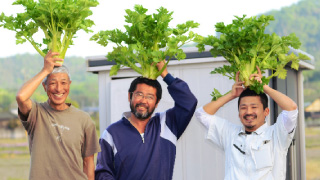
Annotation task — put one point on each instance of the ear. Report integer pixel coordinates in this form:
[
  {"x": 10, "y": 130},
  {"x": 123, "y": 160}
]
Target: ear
[
  {"x": 44, "y": 87},
  {"x": 156, "y": 104},
  {"x": 266, "y": 111},
  {"x": 129, "y": 97}
]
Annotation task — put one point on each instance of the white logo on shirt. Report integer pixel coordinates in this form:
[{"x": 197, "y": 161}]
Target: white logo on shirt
[{"x": 62, "y": 128}]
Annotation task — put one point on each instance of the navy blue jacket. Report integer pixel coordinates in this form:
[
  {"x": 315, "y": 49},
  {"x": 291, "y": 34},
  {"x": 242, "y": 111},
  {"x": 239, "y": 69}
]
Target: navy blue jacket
[{"x": 126, "y": 156}]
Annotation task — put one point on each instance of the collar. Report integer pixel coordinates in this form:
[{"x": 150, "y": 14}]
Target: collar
[
  {"x": 126, "y": 114},
  {"x": 259, "y": 131},
  {"x": 46, "y": 104}
]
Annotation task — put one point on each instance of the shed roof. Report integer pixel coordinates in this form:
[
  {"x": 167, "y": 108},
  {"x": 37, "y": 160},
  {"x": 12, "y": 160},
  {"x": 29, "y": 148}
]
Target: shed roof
[
  {"x": 7, "y": 116},
  {"x": 314, "y": 106}
]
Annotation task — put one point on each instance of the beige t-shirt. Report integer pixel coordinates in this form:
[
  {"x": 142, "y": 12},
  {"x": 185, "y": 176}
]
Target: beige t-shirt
[{"x": 58, "y": 141}]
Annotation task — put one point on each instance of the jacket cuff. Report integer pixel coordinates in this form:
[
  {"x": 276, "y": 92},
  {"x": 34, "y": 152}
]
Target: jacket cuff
[{"x": 168, "y": 79}]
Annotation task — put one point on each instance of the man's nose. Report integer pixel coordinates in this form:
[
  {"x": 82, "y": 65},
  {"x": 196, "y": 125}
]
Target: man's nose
[
  {"x": 249, "y": 111},
  {"x": 58, "y": 87}
]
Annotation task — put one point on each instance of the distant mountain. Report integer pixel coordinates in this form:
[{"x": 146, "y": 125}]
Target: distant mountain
[
  {"x": 15, "y": 70},
  {"x": 303, "y": 19}
]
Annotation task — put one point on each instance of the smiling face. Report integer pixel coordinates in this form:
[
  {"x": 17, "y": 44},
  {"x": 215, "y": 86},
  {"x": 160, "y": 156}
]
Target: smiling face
[
  {"x": 143, "y": 101},
  {"x": 251, "y": 113},
  {"x": 57, "y": 88}
]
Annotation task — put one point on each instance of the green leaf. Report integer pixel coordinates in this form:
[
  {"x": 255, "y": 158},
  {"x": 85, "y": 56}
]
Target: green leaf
[
  {"x": 215, "y": 94},
  {"x": 303, "y": 57},
  {"x": 114, "y": 70}
]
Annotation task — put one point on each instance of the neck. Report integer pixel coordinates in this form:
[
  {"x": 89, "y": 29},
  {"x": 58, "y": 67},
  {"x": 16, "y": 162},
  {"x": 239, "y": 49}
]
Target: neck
[
  {"x": 139, "y": 124},
  {"x": 59, "y": 107}
]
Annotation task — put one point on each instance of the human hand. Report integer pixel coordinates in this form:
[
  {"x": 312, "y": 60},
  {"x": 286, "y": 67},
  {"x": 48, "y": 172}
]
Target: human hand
[
  {"x": 50, "y": 61},
  {"x": 160, "y": 65},
  {"x": 257, "y": 76},
  {"x": 237, "y": 87}
]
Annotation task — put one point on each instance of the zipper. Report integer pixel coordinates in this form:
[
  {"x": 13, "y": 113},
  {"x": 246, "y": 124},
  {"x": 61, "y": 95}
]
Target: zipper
[{"x": 142, "y": 136}]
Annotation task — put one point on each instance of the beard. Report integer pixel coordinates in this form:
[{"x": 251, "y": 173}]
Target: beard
[
  {"x": 142, "y": 116},
  {"x": 252, "y": 115}
]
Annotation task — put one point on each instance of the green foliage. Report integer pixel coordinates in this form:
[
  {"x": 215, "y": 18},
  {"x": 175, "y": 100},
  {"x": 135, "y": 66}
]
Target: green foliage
[
  {"x": 6, "y": 98},
  {"x": 216, "y": 94},
  {"x": 58, "y": 19},
  {"x": 245, "y": 45},
  {"x": 148, "y": 40}
]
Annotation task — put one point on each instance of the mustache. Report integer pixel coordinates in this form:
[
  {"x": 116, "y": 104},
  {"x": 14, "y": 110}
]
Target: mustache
[
  {"x": 142, "y": 105},
  {"x": 247, "y": 115}
]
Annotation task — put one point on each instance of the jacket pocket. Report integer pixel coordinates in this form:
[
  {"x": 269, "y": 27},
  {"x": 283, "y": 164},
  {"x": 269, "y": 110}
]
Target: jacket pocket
[{"x": 262, "y": 154}]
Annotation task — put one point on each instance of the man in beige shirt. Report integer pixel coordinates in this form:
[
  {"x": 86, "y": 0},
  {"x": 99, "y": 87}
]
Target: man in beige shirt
[{"x": 62, "y": 138}]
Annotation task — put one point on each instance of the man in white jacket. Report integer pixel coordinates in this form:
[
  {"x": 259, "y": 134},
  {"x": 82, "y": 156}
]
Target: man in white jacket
[{"x": 253, "y": 150}]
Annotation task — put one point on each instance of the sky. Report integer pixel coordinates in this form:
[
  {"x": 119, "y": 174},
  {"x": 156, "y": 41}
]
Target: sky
[{"x": 109, "y": 14}]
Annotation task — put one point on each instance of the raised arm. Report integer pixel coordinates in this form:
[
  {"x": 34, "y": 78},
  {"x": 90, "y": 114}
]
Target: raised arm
[
  {"x": 184, "y": 103},
  {"x": 213, "y": 106},
  {"x": 28, "y": 88},
  {"x": 282, "y": 100}
]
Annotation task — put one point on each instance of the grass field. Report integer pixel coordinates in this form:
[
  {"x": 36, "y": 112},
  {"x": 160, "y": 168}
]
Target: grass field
[
  {"x": 15, "y": 158},
  {"x": 313, "y": 153}
]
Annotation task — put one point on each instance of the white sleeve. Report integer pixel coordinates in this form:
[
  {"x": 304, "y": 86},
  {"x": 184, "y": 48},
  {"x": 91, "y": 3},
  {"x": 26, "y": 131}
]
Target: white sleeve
[
  {"x": 289, "y": 119},
  {"x": 219, "y": 129},
  {"x": 203, "y": 117}
]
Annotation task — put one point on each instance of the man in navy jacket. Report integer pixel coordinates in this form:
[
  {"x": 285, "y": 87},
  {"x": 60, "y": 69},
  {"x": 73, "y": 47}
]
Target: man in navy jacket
[{"x": 139, "y": 146}]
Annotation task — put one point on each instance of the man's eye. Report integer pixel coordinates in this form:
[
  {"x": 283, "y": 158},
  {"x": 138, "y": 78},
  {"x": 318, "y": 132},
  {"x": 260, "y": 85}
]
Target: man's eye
[{"x": 150, "y": 97}]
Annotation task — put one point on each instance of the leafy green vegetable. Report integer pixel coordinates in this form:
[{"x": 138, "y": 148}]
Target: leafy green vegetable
[
  {"x": 148, "y": 40},
  {"x": 58, "y": 19},
  {"x": 245, "y": 45}
]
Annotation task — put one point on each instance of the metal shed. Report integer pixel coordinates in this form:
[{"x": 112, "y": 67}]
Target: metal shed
[{"x": 196, "y": 157}]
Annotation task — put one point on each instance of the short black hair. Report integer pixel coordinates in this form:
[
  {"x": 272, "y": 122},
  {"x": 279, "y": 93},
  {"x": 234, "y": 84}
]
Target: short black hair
[
  {"x": 249, "y": 92},
  {"x": 149, "y": 82}
]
